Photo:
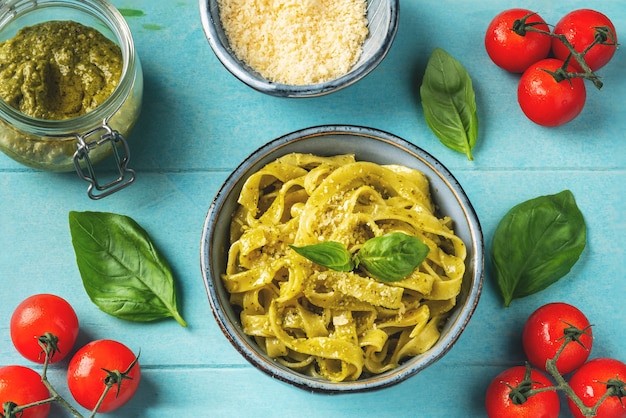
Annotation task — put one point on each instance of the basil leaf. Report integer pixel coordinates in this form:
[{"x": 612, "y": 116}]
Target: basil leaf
[
  {"x": 449, "y": 102},
  {"x": 122, "y": 271},
  {"x": 536, "y": 243},
  {"x": 329, "y": 254},
  {"x": 391, "y": 257}
]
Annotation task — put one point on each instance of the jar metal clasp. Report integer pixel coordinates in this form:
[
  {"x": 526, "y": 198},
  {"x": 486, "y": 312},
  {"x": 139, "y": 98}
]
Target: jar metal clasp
[{"x": 103, "y": 136}]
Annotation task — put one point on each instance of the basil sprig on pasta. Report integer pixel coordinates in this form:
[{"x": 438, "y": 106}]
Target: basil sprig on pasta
[{"x": 388, "y": 258}]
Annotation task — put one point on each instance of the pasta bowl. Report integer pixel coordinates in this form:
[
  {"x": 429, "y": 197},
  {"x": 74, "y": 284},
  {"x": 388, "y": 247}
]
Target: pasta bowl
[
  {"x": 382, "y": 18},
  {"x": 371, "y": 150}
]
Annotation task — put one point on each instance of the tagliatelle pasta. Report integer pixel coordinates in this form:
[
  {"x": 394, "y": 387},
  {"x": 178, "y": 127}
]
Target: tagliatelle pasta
[{"x": 338, "y": 325}]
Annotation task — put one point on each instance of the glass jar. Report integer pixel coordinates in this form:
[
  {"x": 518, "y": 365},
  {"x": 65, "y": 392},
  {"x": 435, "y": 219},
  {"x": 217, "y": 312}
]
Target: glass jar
[{"x": 79, "y": 142}]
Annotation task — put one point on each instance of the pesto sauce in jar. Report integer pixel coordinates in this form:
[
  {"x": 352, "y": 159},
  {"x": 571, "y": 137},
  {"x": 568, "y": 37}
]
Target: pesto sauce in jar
[{"x": 58, "y": 69}]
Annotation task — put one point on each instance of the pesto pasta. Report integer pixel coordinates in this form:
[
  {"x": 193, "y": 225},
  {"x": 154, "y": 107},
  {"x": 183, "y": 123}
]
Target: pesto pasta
[{"x": 339, "y": 326}]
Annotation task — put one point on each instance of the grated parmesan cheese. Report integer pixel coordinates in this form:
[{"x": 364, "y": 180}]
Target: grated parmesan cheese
[{"x": 297, "y": 42}]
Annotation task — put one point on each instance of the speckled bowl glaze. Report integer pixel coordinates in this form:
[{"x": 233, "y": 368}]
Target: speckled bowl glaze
[
  {"x": 382, "y": 16},
  {"x": 369, "y": 145}
]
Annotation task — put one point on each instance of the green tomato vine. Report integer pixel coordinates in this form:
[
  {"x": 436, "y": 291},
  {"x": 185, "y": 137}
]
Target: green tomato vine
[
  {"x": 523, "y": 391},
  {"x": 603, "y": 36},
  {"x": 47, "y": 342}
]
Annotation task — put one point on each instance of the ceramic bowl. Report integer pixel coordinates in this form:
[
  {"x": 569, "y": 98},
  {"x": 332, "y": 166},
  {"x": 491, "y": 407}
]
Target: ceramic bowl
[
  {"x": 382, "y": 16},
  {"x": 368, "y": 145}
]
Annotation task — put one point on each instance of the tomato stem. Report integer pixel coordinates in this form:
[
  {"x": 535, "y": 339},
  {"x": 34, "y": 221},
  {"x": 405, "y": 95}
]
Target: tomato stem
[
  {"x": 563, "y": 386},
  {"x": 13, "y": 410},
  {"x": 520, "y": 393},
  {"x": 524, "y": 389},
  {"x": 106, "y": 390},
  {"x": 603, "y": 36},
  {"x": 49, "y": 350},
  {"x": 521, "y": 26},
  {"x": 114, "y": 378},
  {"x": 8, "y": 409},
  {"x": 572, "y": 334},
  {"x": 580, "y": 59},
  {"x": 616, "y": 387},
  {"x": 49, "y": 344}
]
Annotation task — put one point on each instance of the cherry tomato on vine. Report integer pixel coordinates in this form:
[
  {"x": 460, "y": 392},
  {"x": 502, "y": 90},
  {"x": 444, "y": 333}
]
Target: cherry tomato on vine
[
  {"x": 546, "y": 101},
  {"x": 546, "y": 330},
  {"x": 579, "y": 27},
  {"x": 514, "y": 52},
  {"x": 87, "y": 372},
  {"x": 591, "y": 381},
  {"x": 500, "y": 405},
  {"x": 22, "y": 386},
  {"x": 40, "y": 315}
]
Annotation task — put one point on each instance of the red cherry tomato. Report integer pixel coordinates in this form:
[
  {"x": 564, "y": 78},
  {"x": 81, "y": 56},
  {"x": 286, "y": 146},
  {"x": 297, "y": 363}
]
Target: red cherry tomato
[
  {"x": 544, "y": 334},
  {"x": 87, "y": 372},
  {"x": 514, "y": 52},
  {"x": 579, "y": 27},
  {"x": 500, "y": 405},
  {"x": 589, "y": 383},
  {"x": 41, "y": 314},
  {"x": 22, "y": 386},
  {"x": 546, "y": 101}
]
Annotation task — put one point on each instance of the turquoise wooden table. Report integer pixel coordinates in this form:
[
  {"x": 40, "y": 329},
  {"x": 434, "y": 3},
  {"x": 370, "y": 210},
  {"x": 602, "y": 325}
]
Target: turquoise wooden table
[{"x": 198, "y": 123}]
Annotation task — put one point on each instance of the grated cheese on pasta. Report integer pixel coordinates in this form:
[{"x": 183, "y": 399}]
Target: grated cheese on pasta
[
  {"x": 338, "y": 325},
  {"x": 297, "y": 42}
]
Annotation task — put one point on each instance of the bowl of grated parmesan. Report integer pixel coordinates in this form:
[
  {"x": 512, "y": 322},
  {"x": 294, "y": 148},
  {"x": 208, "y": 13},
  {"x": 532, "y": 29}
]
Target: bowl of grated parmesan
[
  {"x": 325, "y": 329},
  {"x": 303, "y": 48}
]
